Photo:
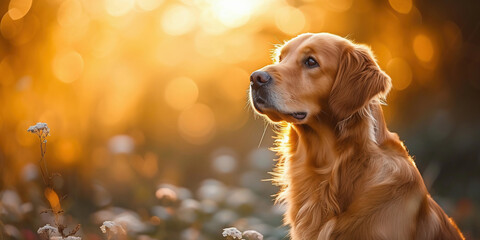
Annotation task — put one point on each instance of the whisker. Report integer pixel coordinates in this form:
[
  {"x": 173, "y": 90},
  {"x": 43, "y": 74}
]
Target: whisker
[
  {"x": 263, "y": 135},
  {"x": 247, "y": 103}
]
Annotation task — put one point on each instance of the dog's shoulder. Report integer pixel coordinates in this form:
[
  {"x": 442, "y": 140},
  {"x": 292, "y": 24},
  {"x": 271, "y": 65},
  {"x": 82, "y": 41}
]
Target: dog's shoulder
[{"x": 394, "y": 168}]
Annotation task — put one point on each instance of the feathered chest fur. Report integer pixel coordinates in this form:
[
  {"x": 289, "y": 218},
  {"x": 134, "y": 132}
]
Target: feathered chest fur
[{"x": 316, "y": 183}]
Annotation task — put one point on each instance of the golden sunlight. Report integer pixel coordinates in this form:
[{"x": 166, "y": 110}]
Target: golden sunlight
[
  {"x": 181, "y": 93},
  {"x": 67, "y": 150},
  {"x": 235, "y": 87},
  {"x": 70, "y": 13},
  {"x": 119, "y": 7},
  {"x": 178, "y": 20},
  {"x": 142, "y": 96},
  {"x": 290, "y": 20},
  {"x": 233, "y": 13},
  {"x": 149, "y": 5},
  {"x": 68, "y": 66},
  {"x": 196, "y": 124}
]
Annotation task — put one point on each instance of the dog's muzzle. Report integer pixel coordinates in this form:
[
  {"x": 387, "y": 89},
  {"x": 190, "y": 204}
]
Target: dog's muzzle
[{"x": 259, "y": 87}]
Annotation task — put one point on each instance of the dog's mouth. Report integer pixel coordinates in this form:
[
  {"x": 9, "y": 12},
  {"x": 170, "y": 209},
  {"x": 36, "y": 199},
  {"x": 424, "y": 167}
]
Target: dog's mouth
[
  {"x": 299, "y": 115},
  {"x": 259, "y": 104},
  {"x": 275, "y": 114}
]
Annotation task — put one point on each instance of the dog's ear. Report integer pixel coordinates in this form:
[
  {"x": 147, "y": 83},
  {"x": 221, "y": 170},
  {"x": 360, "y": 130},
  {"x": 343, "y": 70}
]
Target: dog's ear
[{"x": 359, "y": 79}]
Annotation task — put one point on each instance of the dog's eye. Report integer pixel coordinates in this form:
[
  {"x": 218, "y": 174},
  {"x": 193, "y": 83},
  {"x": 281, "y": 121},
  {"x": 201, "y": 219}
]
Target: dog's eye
[{"x": 311, "y": 63}]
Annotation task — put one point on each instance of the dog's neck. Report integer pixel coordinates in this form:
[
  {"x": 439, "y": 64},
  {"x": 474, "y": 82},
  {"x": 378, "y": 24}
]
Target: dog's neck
[
  {"x": 325, "y": 139},
  {"x": 315, "y": 145}
]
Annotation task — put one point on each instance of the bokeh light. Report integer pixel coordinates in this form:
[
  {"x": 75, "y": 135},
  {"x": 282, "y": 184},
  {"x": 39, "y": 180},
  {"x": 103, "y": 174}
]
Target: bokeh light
[
  {"x": 165, "y": 193},
  {"x": 9, "y": 27},
  {"x": 196, "y": 123},
  {"x": 290, "y": 20},
  {"x": 233, "y": 13},
  {"x": 68, "y": 150},
  {"x": 399, "y": 70},
  {"x": 149, "y": 5},
  {"x": 177, "y": 20},
  {"x": 423, "y": 48},
  {"x": 19, "y": 8},
  {"x": 68, "y": 66},
  {"x": 119, "y": 7},
  {"x": 401, "y": 6},
  {"x": 339, "y": 5},
  {"x": 70, "y": 13},
  {"x": 181, "y": 93}
]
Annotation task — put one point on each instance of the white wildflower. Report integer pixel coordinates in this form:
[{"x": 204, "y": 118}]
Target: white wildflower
[
  {"x": 129, "y": 220},
  {"x": 47, "y": 229},
  {"x": 41, "y": 125},
  {"x": 108, "y": 225},
  {"x": 252, "y": 235},
  {"x": 32, "y": 129},
  {"x": 40, "y": 128},
  {"x": 67, "y": 238},
  {"x": 232, "y": 232},
  {"x": 111, "y": 227},
  {"x": 73, "y": 238}
]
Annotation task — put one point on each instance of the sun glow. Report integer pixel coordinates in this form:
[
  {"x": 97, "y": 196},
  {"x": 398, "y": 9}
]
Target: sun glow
[
  {"x": 233, "y": 13},
  {"x": 178, "y": 20},
  {"x": 217, "y": 16},
  {"x": 119, "y": 7}
]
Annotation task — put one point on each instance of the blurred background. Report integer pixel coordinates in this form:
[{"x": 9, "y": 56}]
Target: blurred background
[{"x": 146, "y": 102}]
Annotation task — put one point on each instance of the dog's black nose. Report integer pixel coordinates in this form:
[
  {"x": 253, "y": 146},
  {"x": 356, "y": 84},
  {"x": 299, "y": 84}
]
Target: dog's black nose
[{"x": 260, "y": 78}]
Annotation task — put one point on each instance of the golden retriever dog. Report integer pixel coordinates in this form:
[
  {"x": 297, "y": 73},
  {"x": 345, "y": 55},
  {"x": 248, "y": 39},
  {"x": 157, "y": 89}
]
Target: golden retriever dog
[{"x": 342, "y": 174}]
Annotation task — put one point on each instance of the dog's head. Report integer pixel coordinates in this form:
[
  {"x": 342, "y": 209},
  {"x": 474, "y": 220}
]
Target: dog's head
[{"x": 316, "y": 73}]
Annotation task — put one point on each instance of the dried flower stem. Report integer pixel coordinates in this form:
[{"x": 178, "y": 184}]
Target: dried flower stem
[
  {"x": 42, "y": 131},
  {"x": 43, "y": 149}
]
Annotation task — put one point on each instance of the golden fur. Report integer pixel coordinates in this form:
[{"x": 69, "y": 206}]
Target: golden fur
[{"x": 342, "y": 174}]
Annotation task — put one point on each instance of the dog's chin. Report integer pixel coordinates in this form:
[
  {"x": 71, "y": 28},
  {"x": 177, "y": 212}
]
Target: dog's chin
[{"x": 276, "y": 115}]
